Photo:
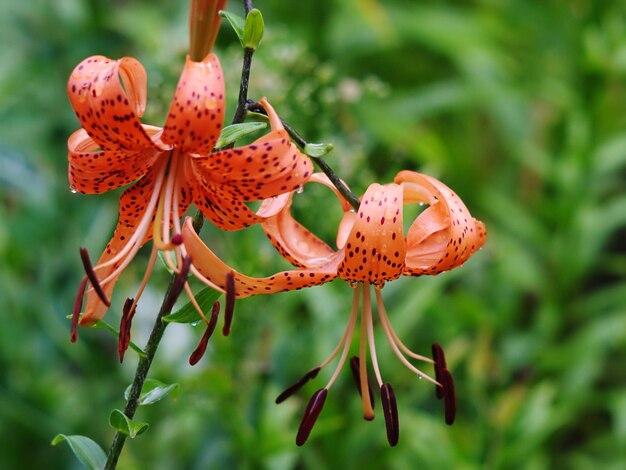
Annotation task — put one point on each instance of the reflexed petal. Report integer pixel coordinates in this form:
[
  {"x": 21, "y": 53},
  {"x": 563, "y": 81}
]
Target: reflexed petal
[
  {"x": 133, "y": 204},
  {"x": 93, "y": 170},
  {"x": 269, "y": 166},
  {"x": 215, "y": 270},
  {"x": 295, "y": 242},
  {"x": 195, "y": 118},
  {"x": 228, "y": 212},
  {"x": 375, "y": 248},
  {"x": 445, "y": 235},
  {"x": 108, "y": 97}
]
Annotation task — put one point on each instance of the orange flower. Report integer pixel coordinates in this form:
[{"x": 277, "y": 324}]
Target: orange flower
[
  {"x": 372, "y": 249},
  {"x": 169, "y": 167}
]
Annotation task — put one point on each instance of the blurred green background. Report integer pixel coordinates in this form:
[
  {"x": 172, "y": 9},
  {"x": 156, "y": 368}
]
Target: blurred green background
[{"x": 516, "y": 105}]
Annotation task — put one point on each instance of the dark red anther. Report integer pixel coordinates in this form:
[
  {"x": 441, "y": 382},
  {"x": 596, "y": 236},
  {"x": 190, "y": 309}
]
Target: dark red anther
[
  {"x": 197, "y": 354},
  {"x": 229, "y": 310},
  {"x": 91, "y": 274},
  {"x": 449, "y": 397},
  {"x": 354, "y": 367},
  {"x": 128, "y": 312},
  {"x": 313, "y": 410},
  {"x": 390, "y": 410},
  {"x": 78, "y": 305},
  {"x": 440, "y": 364},
  {"x": 177, "y": 239},
  {"x": 310, "y": 375}
]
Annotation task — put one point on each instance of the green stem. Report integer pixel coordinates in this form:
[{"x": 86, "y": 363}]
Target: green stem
[{"x": 324, "y": 166}]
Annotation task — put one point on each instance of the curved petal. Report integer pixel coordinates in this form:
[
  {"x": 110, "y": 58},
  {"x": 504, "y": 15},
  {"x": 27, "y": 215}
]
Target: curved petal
[
  {"x": 445, "y": 235},
  {"x": 228, "y": 212},
  {"x": 196, "y": 114},
  {"x": 269, "y": 166},
  {"x": 132, "y": 212},
  {"x": 295, "y": 242},
  {"x": 94, "y": 171},
  {"x": 108, "y": 97},
  {"x": 215, "y": 270},
  {"x": 375, "y": 249}
]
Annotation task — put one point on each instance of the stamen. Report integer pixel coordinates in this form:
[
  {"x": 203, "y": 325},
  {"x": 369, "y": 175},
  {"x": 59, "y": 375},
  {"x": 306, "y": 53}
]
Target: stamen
[
  {"x": 354, "y": 367},
  {"x": 230, "y": 303},
  {"x": 449, "y": 397},
  {"x": 128, "y": 312},
  {"x": 310, "y": 375},
  {"x": 91, "y": 274},
  {"x": 197, "y": 354},
  {"x": 372, "y": 343},
  {"x": 134, "y": 243},
  {"x": 194, "y": 302},
  {"x": 384, "y": 320},
  {"x": 78, "y": 304},
  {"x": 348, "y": 335},
  {"x": 368, "y": 411},
  {"x": 440, "y": 364},
  {"x": 313, "y": 410},
  {"x": 177, "y": 285},
  {"x": 390, "y": 410},
  {"x": 396, "y": 338}
]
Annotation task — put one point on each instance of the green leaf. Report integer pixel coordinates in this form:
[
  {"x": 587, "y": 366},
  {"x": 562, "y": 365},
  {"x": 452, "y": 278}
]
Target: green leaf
[
  {"x": 122, "y": 423},
  {"x": 153, "y": 391},
  {"x": 317, "y": 150},
  {"x": 187, "y": 313},
  {"x": 85, "y": 450},
  {"x": 236, "y": 131},
  {"x": 253, "y": 29},
  {"x": 236, "y": 22}
]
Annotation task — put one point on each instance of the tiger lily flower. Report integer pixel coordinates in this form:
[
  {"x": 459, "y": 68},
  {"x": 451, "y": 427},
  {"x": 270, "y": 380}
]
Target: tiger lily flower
[
  {"x": 168, "y": 168},
  {"x": 372, "y": 249}
]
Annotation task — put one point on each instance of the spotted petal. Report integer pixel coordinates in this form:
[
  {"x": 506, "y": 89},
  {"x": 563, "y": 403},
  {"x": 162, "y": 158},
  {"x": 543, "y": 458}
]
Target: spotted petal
[
  {"x": 93, "y": 170},
  {"x": 196, "y": 114},
  {"x": 109, "y": 97},
  {"x": 134, "y": 228},
  {"x": 269, "y": 166},
  {"x": 215, "y": 270},
  {"x": 445, "y": 235},
  {"x": 375, "y": 248}
]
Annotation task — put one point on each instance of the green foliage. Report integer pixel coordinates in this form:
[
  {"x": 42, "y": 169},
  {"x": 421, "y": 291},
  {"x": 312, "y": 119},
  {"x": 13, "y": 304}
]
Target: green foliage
[
  {"x": 518, "y": 106},
  {"x": 122, "y": 423},
  {"x": 86, "y": 451},
  {"x": 153, "y": 391}
]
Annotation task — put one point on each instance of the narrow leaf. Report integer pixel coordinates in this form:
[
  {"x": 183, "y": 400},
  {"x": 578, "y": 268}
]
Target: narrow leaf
[
  {"x": 236, "y": 22},
  {"x": 122, "y": 423},
  {"x": 87, "y": 451},
  {"x": 154, "y": 391},
  {"x": 232, "y": 133},
  {"x": 187, "y": 313}
]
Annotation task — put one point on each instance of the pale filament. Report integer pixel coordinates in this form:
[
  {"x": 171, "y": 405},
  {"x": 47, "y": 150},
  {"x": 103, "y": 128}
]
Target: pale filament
[
  {"x": 346, "y": 339},
  {"x": 146, "y": 277},
  {"x": 384, "y": 320},
  {"x": 134, "y": 243},
  {"x": 370, "y": 337},
  {"x": 366, "y": 314},
  {"x": 396, "y": 338}
]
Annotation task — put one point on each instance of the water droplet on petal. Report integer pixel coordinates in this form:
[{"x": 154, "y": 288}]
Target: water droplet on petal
[
  {"x": 300, "y": 189},
  {"x": 73, "y": 190},
  {"x": 195, "y": 323},
  {"x": 210, "y": 103}
]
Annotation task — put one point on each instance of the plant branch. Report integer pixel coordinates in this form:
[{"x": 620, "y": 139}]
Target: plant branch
[
  {"x": 324, "y": 166},
  {"x": 143, "y": 366}
]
